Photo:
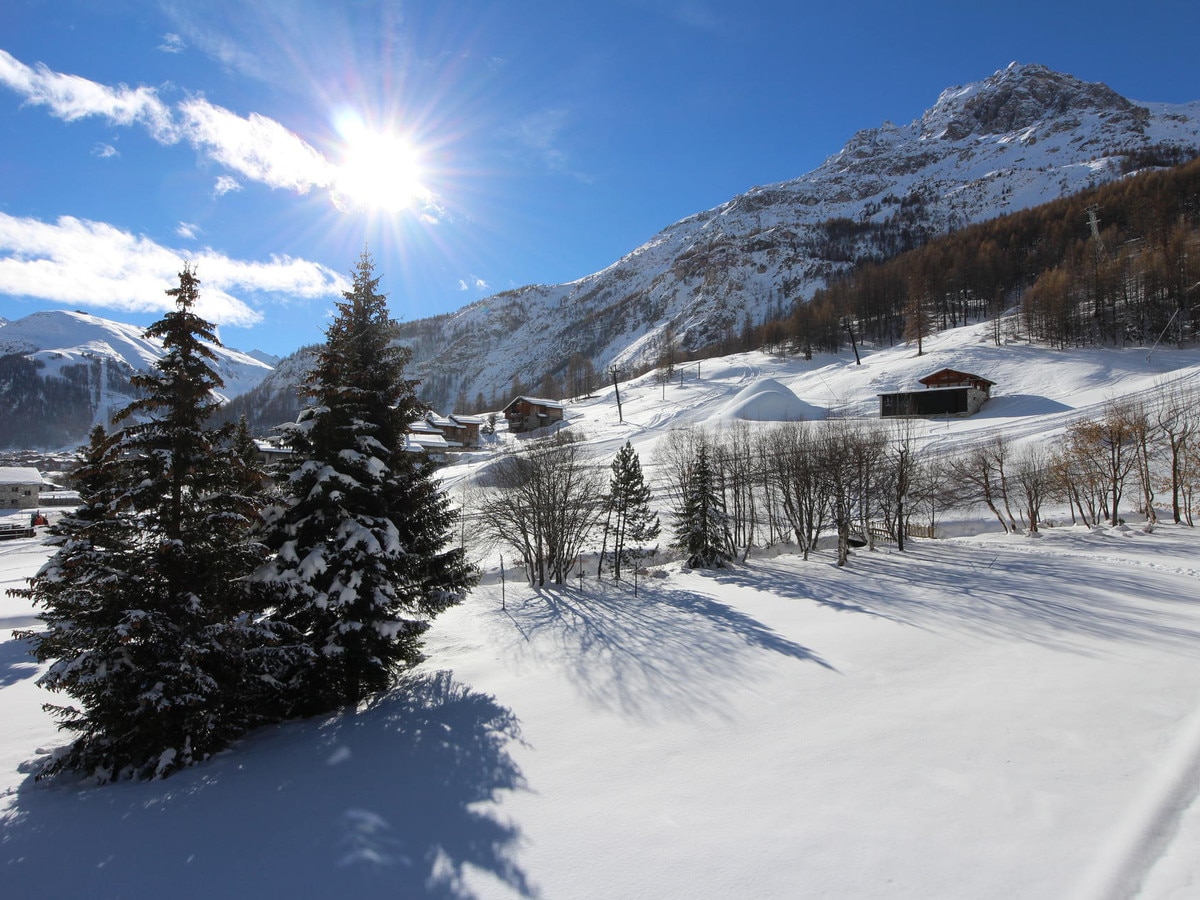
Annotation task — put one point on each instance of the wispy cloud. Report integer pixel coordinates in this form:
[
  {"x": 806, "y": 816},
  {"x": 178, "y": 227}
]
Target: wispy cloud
[
  {"x": 105, "y": 151},
  {"x": 700, "y": 16},
  {"x": 85, "y": 263},
  {"x": 208, "y": 27},
  {"x": 472, "y": 281},
  {"x": 187, "y": 230},
  {"x": 543, "y": 135},
  {"x": 172, "y": 43},
  {"x": 225, "y": 184},
  {"x": 541, "y": 132}
]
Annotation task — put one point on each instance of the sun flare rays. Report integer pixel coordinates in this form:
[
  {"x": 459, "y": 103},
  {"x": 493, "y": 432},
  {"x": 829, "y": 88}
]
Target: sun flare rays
[{"x": 380, "y": 170}]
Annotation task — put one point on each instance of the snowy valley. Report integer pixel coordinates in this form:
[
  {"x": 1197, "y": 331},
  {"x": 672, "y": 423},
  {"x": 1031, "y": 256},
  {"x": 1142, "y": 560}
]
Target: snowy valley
[{"x": 984, "y": 715}]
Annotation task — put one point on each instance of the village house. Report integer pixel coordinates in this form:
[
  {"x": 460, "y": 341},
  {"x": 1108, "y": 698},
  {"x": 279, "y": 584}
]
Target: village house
[
  {"x": 532, "y": 413},
  {"x": 271, "y": 452},
  {"x": 465, "y": 429},
  {"x": 948, "y": 392},
  {"x": 422, "y": 437},
  {"x": 19, "y": 487}
]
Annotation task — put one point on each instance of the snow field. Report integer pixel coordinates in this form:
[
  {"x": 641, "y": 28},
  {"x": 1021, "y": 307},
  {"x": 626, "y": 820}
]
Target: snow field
[{"x": 990, "y": 716}]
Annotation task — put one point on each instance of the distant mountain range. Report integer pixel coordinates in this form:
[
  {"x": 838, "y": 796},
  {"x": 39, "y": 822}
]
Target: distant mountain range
[
  {"x": 1022, "y": 137},
  {"x": 62, "y": 372}
]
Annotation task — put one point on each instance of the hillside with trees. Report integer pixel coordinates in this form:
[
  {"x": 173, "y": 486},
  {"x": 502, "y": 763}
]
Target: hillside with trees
[{"x": 1132, "y": 280}]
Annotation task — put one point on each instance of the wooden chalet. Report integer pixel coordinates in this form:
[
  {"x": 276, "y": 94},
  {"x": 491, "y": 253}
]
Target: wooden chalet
[
  {"x": 437, "y": 435},
  {"x": 466, "y": 429},
  {"x": 532, "y": 413},
  {"x": 948, "y": 392},
  {"x": 444, "y": 426},
  {"x": 425, "y": 438}
]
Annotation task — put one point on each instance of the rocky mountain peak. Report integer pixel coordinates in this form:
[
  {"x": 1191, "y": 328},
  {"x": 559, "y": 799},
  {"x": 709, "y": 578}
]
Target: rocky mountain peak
[{"x": 1020, "y": 97}]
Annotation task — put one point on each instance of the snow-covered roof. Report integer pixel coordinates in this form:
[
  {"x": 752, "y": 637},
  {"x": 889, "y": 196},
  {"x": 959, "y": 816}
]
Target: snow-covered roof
[
  {"x": 467, "y": 420},
  {"x": 421, "y": 427},
  {"x": 20, "y": 475},
  {"x": 430, "y": 442},
  {"x": 538, "y": 401},
  {"x": 955, "y": 374}
]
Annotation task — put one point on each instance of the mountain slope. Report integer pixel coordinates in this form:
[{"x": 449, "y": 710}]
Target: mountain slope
[
  {"x": 1023, "y": 136},
  {"x": 62, "y": 372}
]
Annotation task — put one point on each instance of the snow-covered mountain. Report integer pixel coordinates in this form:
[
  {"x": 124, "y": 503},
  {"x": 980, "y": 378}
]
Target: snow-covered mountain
[
  {"x": 1024, "y": 136},
  {"x": 275, "y": 399},
  {"x": 62, "y": 372}
]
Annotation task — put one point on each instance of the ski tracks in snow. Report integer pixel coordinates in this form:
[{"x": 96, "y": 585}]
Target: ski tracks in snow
[
  {"x": 1144, "y": 831},
  {"x": 1142, "y": 835},
  {"x": 1106, "y": 558}
]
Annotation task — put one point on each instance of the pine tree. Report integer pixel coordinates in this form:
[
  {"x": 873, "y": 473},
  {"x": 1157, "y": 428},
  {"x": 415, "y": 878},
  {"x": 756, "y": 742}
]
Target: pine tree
[
  {"x": 630, "y": 521},
  {"x": 144, "y": 613},
  {"x": 701, "y": 527},
  {"x": 361, "y": 561},
  {"x": 919, "y": 320}
]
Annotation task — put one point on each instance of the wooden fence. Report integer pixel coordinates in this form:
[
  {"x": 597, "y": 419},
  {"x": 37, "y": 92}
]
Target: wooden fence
[{"x": 880, "y": 532}]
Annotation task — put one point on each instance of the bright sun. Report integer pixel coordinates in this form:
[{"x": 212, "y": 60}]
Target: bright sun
[{"x": 379, "y": 170}]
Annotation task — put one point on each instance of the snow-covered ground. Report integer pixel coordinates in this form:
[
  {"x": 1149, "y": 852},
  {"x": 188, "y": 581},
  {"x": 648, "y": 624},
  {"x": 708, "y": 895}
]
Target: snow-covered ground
[{"x": 989, "y": 716}]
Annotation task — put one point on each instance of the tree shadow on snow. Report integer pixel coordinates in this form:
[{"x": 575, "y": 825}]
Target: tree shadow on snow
[
  {"x": 16, "y": 662},
  {"x": 1008, "y": 592},
  {"x": 784, "y": 583},
  {"x": 667, "y": 652},
  {"x": 391, "y": 801}
]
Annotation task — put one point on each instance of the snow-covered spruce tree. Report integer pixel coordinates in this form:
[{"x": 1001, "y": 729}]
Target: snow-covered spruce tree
[
  {"x": 629, "y": 520},
  {"x": 701, "y": 525},
  {"x": 361, "y": 538},
  {"x": 145, "y": 618}
]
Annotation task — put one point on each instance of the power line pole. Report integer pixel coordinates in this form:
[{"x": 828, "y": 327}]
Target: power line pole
[{"x": 613, "y": 372}]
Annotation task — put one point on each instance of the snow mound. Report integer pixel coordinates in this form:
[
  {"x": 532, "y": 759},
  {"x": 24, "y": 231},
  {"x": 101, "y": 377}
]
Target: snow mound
[{"x": 766, "y": 400}]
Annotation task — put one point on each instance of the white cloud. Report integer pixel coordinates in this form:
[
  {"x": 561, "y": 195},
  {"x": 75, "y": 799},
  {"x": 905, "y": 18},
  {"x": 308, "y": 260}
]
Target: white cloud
[
  {"x": 84, "y": 263},
  {"x": 105, "y": 151},
  {"x": 187, "y": 230},
  {"x": 70, "y": 97},
  {"x": 255, "y": 146},
  {"x": 225, "y": 184},
  {"x": 172, "y": 43}
]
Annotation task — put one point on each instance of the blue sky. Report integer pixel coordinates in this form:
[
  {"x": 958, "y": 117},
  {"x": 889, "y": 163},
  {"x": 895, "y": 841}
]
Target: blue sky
[{"x": 473, "y": 146}]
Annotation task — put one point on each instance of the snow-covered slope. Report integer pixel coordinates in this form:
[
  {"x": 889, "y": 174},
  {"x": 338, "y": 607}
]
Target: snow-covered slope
[
  {"x": 1024, "y": 136},
  {"x": 989, "y": 716},
  {"x": 92, "y": 357},
  {"x": 1038, "y": 391}
]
